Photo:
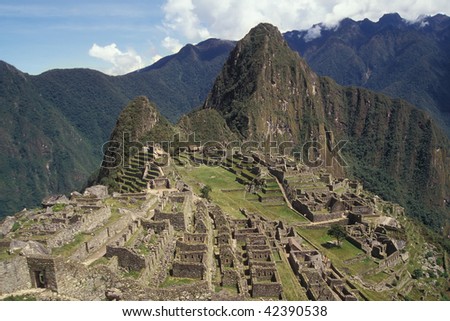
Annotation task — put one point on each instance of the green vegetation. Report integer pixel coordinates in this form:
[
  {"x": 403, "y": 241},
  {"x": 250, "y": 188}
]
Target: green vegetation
[
  {"x": 24, "y": 297},
  {"x": 414, "y": 51},
  {"x": 417, "y": 273},
  {"x": 292, "y": 289},
  {"x": 15, "y": 226},
  {"x": 101, "y": 261},
  {"x": 338, "y": 232},
  {"x": 173, "y": 281},
  {"x": 61, "y": 118},
  {"x": 360, "y": 263},
  {"x": 45, "y": 151},
  {"x": 58, "y": 207},
  {"x": 205, "y": 192},
  {"x": 132, "y": 274},
  {"x": 67, "y": 249},
  {"x": 231, "y": 195},
  {"x": 143, "y": 249}
]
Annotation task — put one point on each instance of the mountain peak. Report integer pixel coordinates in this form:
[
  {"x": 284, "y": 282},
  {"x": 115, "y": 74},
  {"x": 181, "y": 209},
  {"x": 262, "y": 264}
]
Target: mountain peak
[
  {"x": 391, "y": 19},
  {"x": 264, "y": 32},
  {"x": 263, "y": 76}
]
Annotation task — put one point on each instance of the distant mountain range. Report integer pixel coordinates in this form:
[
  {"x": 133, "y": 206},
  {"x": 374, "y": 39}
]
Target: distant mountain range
[
  {"x": 399, "y": 58},
  {"x": 54, "y": 124}
]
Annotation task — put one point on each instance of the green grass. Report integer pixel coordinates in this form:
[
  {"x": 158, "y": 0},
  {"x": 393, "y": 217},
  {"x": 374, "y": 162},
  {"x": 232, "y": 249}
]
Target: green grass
[
  {"x": 292, "y": 290},
  {"x": 377, "y": 278},
  {"x": 4, "y": 255},
  {"x": 58, "y": 207},
  {"x": 173, "y": 281},
  {"x": 69, "y": 248},
  {"x": 319, "y": 236},
  {"x": 132, "y": 274},
  {"x": 133, "y": 237},
  {"x": 219, "y": 178},
  {"x": 143, "y": 249},
  {"x": 338, "y": 255},
  {"x": 25, "y": 297},
  {"x": 233, "y": 290},
  {"x": 100, "y": 261}
]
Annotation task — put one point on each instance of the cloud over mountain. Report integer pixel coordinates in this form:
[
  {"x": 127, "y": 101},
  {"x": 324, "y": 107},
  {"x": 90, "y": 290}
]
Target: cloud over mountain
[
  {"x": 122, "y": 62},
  {"x": 196, "y": 20}
]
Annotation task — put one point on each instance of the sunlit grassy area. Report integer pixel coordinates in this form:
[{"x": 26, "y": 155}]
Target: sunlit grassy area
[
  {"x": 292, "y": 289},
  {"x": 69, "y": 248},
  {"x": 173, "y": 281},
  {"x": 339, "y": 254},
  {"x": 220, "y": 179}
]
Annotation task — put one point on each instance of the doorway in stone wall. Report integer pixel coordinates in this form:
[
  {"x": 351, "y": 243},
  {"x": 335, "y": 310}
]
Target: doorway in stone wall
[{"x": 40, "y": 280}]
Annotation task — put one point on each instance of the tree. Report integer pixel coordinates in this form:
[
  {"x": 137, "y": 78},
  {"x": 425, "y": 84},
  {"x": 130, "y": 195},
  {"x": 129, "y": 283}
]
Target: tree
[
  {"x": 338, "y": 232},
  {"x": 417, "y": 274},
  {"x": 204, "y": 192}
]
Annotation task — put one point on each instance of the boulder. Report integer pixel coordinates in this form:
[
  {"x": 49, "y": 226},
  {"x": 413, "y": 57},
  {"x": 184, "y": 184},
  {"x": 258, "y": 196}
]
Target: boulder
[
  {"x": 34, "y": 248},
  {"x": 113, "y": 294},
  {"x": 97, "y": 191},
  {"x": 28, "y": 248},
  {"x": 7, "y": 225},
  {"x": 55, "y": 199},
  {"x": 16, "y": 245}
]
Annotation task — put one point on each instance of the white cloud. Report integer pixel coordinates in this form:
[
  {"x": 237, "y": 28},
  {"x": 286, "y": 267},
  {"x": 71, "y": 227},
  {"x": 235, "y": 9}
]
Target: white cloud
[
  {"x": 196, "y": 20},
  {"x": 313, "y": 33},
  {"x": 182, "y": 15},
  {"x": 171, "y": 44},
  {"x": 155, "y": 58},
  {"x": 122, "y": 62}
]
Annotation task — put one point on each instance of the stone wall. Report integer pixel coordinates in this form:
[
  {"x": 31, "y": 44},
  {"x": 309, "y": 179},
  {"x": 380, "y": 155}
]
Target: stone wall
[
  {"x": 127, "y": 258},
  {"x": 266, "y": 288},
  {"x": 122, "y": 226},
  {"x": 160, "y": 258},
  {"x": 42, "y": 272},
  {"x": 14, "y": 275},
  {"x": 177, "y": 220},
  {"x": 192, "y": 292},
  {"x": 188, "y": 270},
  {"x": 187, "y": 247},
  {"x": 260, "y": 255},
  {"x": 88, "y": 222},
  {"x": 82, "y": 283},
  {"x": 157, "y": 226},
  {"x": 230, "y": 277}
]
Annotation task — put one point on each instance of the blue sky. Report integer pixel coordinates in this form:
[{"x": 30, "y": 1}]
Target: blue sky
[{"x": 119, "y": 36}]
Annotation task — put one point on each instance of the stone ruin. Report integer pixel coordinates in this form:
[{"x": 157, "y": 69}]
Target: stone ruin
[
  {"x": 263, "y": 280},
  {"x": 193, "y": 252},
  {"x": 385, "y": 241},
  {"x": 176, "y": 207},
  {"x": 317, "y": 275}
]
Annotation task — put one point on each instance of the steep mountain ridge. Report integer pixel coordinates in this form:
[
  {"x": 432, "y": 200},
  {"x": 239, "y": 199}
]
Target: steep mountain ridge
[
  {"x": 263, "y": 71},
  {"x": 33, "y": 129},
  {"x": 139, "y": 123},
  {"x": 266, "y": 91},
  {"x": 409, "y": 60}
]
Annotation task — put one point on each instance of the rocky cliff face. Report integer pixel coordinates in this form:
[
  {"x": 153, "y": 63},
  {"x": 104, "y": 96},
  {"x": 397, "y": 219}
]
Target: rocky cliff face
[
  {"x": 266, "y": 91},
  {"x": 400, "y": 58}
]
